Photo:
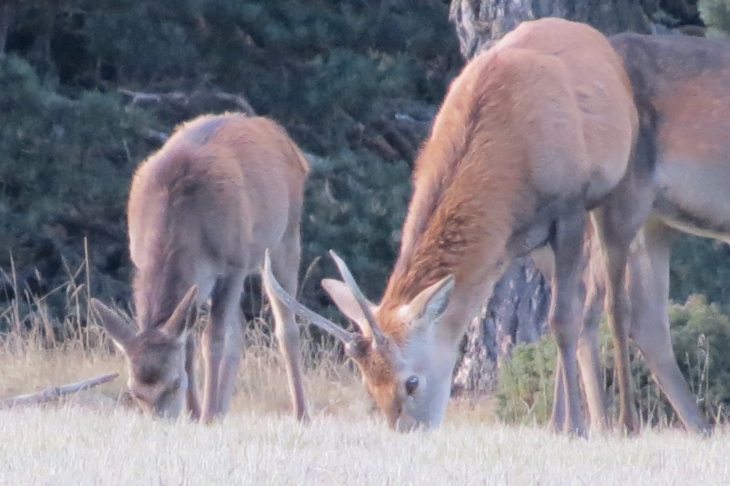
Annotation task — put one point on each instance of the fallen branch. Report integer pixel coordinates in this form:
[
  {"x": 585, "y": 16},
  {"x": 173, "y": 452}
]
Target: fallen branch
[
  {"x": 179, "y": 97},
  {"x": 55, "y": 392}
]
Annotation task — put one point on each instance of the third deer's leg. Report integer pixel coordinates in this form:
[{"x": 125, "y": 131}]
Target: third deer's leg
[
  {"x": 617, "y": 221},
  {"x": 649, "y": 288},
  {"x": 588, "y": 356},
  {"x": 224, "y": 306},
  {"x": 285, "y": 266},
  {"x": 616, "y": 235},
  {"x": 565, "y": 318}
]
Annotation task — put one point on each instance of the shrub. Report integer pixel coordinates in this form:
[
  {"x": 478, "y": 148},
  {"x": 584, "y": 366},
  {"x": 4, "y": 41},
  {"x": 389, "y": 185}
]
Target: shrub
[
  {"x": 700, "y": 337},
  {"x": 525, "y": 388},
  {"x": 716, "y": 16},
  {"x": 355, "y": 206}
]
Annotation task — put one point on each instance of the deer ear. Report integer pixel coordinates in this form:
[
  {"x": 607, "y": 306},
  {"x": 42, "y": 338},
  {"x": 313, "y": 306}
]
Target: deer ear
[
  {"x": 429, "y": 305},
  {"x": 183, "y": 316},
  {"x": 344, "y": 299},
  {"x": 121, "y": 332}
]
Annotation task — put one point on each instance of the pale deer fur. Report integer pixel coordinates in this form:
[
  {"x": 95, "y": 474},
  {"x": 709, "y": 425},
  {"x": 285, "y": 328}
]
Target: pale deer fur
[
  {"x": 682, "y": 91},
  {"x": 531, "y": 135},
  {"x": 201, "y": 212}
]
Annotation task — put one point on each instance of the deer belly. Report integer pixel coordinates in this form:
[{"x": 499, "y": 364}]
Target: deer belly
[{"x": 694, "y": 198}]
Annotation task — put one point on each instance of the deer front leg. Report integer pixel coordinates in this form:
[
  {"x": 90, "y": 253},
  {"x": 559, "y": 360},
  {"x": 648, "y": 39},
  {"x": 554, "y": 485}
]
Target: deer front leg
[
  {"x": 285, "y": 266},
  {"x": 224, "y": 306},
  {"x": 192, "y": 399},
  {"x": 565, "y": 322},
  {"x": 232, "y": 351}
]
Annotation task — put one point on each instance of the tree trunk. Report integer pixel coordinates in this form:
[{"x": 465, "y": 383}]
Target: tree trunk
[
  {"x": 516, "y": 313},
  {"x": 480, "y": 23}
]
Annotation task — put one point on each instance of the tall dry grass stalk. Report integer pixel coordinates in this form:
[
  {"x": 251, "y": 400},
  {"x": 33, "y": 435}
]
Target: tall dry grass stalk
[{"x": 39, "y": 350}]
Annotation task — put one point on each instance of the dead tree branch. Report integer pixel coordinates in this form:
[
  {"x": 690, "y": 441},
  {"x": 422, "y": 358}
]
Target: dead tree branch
[
  {"x": 178, "y": 97},
  {"x": 56, "y": 392}
]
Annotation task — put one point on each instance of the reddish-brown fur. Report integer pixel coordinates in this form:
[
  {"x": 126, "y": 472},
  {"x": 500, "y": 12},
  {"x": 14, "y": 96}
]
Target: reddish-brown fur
[{"x": 531, "y": 135}]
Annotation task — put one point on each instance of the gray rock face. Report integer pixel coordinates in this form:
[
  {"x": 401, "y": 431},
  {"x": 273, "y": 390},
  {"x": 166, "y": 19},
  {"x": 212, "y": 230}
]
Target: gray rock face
[
  {"x": 480, "y": 23},
  {"x": 516, "y": 313}
]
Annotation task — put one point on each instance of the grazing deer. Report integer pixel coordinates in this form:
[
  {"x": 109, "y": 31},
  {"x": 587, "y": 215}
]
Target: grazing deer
[
  {"x": 531, "y": 135},
  {"x": 682, "y": 92},
  {"x": 201, "y": 212}
]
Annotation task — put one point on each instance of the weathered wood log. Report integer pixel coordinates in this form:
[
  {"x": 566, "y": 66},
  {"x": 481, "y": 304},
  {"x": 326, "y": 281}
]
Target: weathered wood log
[{"x": 56, "y": 392}]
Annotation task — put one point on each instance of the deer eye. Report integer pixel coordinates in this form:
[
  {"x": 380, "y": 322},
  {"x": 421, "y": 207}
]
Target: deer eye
[
  {"x": 175, "y": 384},
  {"x": 411, "y": 384}
]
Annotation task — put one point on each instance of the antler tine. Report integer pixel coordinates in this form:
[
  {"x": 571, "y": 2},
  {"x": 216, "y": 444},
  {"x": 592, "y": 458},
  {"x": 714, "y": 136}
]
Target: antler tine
[
  {"x": 374, "y": 330},
  {"x": 347, "y": 338}
]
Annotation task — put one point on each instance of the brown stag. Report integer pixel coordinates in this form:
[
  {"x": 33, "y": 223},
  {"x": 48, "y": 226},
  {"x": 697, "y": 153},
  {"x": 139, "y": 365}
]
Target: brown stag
[
  {"x": 681, "y": 89},
  {"x": 532, "y": 135},
  {"x": 201, "y": 212}
]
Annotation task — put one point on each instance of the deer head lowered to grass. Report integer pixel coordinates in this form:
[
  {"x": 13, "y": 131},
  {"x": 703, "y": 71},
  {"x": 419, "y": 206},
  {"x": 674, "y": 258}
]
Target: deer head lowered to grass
[
  {"x": 532, "y": 135},
  {"x": 201, "y": 212}
]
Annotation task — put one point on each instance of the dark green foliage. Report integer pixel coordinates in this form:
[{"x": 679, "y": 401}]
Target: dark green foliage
[
  {"x": 525, "y": 389},
  {"x": 355, "y": 207},
  {"x": 324, "y": 69},
  {"x": 142, "y": 41},
  {"x": 700, "y": 337},
  {"x": 700, "y": 265},
  {"x": 317, "y": 66},
  {"x": 60, "y": 156},
  {"x": 716, "y": 16}
]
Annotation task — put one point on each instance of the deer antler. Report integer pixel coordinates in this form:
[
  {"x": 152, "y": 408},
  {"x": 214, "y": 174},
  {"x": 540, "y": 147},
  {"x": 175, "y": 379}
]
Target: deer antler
[
  {"x": 372, "y": 326},
  {"x": 347, "y": 338}
]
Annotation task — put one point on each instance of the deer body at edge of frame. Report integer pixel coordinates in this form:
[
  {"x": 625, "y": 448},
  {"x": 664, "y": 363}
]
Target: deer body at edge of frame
[
  {"x": 531, "y": 135},
  {"x": 681, "y": 88},
  {"x": 201, "y": 213}
]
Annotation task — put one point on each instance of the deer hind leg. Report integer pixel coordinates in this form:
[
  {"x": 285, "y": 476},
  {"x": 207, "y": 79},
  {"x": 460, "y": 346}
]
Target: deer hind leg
[
  {"x": 223, "y": 312},
  {"x": 589, "y": 366},
  {"x": 285, "y": 266},
  {"x": 565, "y": 321},
  {"x": 588, "y": 355},
  {"x": 649, "y": 288},
  {"x": 618, "y": 222}
]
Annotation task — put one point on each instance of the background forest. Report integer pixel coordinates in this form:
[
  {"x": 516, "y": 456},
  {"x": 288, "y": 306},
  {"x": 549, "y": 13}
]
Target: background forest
[{"x": 88, "y": 89}]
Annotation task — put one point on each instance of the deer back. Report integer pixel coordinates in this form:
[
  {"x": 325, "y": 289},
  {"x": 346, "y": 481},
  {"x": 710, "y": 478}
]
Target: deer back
[{"x": 217, "y": 194}]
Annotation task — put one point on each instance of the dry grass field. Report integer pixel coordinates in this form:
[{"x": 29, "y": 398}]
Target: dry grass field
[{"x": 91, "y": 438}]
